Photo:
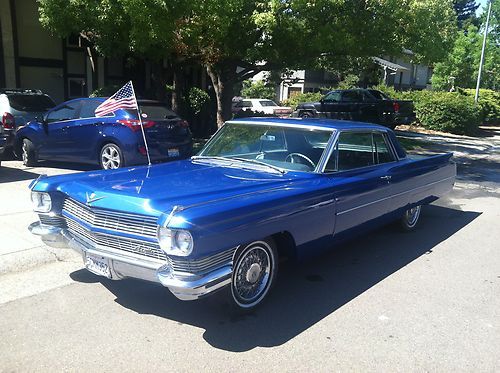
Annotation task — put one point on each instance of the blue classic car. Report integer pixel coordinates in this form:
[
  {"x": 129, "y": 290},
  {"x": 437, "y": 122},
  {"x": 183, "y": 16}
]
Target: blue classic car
[
  {"x": 259, "y": 190},
  {"x": 72, "y": 132}
]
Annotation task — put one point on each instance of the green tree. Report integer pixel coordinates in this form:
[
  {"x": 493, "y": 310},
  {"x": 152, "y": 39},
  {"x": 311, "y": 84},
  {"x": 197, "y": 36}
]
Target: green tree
[
  {"x": 466, "y": 12},
  {"x": 235, "y": 39},
  {"x": 462, "y": 63},
  {"x": 259, "y": 89}
]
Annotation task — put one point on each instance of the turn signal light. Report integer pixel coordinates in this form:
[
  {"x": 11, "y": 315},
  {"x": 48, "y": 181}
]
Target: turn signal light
[{"x": 395, "y": 105}]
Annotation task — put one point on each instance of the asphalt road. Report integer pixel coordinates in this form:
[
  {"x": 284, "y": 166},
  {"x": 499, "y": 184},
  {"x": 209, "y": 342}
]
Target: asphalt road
[{"x": 422, "y": 301}]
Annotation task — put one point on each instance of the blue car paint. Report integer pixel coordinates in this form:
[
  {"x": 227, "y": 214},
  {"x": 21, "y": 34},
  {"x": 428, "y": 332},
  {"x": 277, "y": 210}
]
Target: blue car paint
[
  {"x": 80, "y": 140},
  {"x": 225, "y": 207}
]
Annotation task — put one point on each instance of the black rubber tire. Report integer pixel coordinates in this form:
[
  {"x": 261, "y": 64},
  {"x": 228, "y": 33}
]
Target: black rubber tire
[
  {"x": 410, "y": 218},
  {"x": 114, "y": 151},
  {"x": 28, "y": 153},
  {"x": 306, "y": 114},
  {"x": 246, "y": 261}
]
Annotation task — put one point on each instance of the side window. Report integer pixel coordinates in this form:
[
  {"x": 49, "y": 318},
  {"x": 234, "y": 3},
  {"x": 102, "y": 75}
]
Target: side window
[
  {"x": 332, "y": 97},
  {"x": 351, "y": 96},
  {"x": 382, "y": 151},
  {"x": 359, "y": 149},
  {"x": 88, "y": 109},
  {"x": 65, "y": 112}
]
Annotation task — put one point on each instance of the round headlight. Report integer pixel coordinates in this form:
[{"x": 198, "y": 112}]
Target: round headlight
[
  {"x": 175, "y": 242},
  {"x": 41, "y": 201},
  {"x": 183, "y": 241}
]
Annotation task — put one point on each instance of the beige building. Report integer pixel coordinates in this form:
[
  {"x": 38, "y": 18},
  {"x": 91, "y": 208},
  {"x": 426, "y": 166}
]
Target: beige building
[{"x": 32, "y": 58}]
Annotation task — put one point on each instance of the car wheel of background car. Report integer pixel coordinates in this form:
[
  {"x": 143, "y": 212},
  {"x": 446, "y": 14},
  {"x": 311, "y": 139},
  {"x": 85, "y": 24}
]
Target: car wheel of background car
[
  {"x": 289, "y": 158},
  {"x": 306, "y": 114},
  {"x": 254, "y": 272},
  {"x": 28, "y": 153},
  {"x": 111, "y": 157},
  {"x": 410, "y": 218}
]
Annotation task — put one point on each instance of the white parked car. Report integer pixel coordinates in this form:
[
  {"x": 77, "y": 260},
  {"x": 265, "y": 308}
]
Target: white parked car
[{"x": 261, "y": 105}]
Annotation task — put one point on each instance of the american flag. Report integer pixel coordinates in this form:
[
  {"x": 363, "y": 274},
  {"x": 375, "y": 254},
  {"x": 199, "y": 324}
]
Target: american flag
[{"x": 123, "y": 99}]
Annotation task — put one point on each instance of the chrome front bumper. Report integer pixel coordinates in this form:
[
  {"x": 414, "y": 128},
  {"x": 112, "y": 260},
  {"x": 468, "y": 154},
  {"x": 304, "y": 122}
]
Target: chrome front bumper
[{"x": 183, "y": 286}]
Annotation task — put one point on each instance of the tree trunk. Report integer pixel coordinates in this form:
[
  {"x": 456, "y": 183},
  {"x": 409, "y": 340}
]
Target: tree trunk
[
  {"x": 223, "y": 76},
  {"x": 177, "y": 83}
]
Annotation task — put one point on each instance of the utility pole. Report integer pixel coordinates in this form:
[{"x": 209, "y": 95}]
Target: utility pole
[{"x": 476, "y": 97}]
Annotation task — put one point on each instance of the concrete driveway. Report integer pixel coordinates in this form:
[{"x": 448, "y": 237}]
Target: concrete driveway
[{"x": 424, "y": 301}]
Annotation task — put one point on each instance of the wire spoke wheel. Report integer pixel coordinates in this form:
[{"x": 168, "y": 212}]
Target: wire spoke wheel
[
  {"x": 253, "y": 274},
  {"x": 410, "y": 218}
]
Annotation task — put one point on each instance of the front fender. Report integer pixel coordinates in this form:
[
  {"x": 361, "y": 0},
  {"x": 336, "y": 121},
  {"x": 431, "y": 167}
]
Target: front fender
[{"x": 307, "y": 217}]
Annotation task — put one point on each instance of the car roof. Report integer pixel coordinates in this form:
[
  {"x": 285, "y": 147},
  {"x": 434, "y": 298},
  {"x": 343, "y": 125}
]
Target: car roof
[{"x": 313, "y": 122}]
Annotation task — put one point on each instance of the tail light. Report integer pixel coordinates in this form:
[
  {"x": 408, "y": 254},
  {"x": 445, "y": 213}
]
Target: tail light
[
  {"x": 8, "y": 121},
  {"x": 183, "y": 123},
  {"x": 135, "y": 124},
  {"x": 395, "y": 105}
]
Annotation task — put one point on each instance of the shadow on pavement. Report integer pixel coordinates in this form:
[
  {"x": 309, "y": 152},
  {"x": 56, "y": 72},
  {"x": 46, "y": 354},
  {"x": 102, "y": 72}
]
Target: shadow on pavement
[
  {"x": 304, "y": 294},
  {"x": 8, "y": 175}
]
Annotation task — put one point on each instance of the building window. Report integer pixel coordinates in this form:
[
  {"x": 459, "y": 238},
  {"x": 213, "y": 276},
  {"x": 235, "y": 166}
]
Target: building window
[{"x": 76, "y": 87}]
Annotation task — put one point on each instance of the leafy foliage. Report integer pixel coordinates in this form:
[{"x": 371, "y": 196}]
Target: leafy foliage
[
  {"x": 105, "y": 91},
  {"x": 466, "y": 12},
  {"x": 489, "y": 104},
  {"x": 462, "y": 63},
  {"x": 302, "y": 97},
  {"x": 447, "y": 112},
  {"x": 225, "y": 35},
  {"x": 197, "y": 99},
  {"x": 258, "y": 89}
]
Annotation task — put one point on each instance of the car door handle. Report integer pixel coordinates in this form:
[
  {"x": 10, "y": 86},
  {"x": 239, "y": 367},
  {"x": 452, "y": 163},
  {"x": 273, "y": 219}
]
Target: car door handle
[{"x": 386, "y": 178}]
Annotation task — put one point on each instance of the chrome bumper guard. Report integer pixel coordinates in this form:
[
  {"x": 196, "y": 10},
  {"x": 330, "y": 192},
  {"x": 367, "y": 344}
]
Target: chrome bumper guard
[{"x": 184, "y": 287}]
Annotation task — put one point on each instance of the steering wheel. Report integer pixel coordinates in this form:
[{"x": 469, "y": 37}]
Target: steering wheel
[{"x": 289, "y": 158}]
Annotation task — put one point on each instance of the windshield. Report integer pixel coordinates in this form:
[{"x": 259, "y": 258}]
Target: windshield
[
  {"x": 288, "y": 148},
  {"x": 268, "y": 103}
]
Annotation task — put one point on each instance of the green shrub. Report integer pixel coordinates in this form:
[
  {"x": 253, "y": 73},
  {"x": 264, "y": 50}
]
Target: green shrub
[
  {"x": 489, "y": 104},
  {"x": 447, "y": 112},
  {"x": 301, "y": 98},
  {"x": 197, "y": 99},
  {"x": 258, "y": 89}
]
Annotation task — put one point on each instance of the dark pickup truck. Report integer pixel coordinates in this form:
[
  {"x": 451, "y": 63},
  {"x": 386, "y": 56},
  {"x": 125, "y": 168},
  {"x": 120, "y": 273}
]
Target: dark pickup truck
[{"x": 362, "y": 105}]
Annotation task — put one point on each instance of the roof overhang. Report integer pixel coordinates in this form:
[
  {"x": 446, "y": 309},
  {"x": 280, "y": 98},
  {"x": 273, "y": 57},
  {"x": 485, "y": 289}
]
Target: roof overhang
[{"x": 388, "y": 64}]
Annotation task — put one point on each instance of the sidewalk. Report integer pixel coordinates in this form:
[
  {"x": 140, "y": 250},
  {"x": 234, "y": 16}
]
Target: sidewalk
[{"x": 19, "y": 249}]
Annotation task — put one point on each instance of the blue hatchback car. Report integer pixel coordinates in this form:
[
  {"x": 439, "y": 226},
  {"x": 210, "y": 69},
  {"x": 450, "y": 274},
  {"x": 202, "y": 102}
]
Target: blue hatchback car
[{"x": 71, "y": 132}]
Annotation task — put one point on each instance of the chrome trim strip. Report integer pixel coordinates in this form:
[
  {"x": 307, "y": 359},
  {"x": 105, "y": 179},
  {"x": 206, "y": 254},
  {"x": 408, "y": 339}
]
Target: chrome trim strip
[
  {"x": 392, "y": 196},
  {"x": 289, "y": 125}
]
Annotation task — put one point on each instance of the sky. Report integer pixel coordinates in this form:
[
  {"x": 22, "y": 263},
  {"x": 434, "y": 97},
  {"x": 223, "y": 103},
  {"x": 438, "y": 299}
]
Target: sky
[{"x": 482, "y": 3}]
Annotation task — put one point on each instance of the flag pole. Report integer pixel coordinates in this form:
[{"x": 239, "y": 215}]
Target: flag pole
[{"x": 142, "y": 126}]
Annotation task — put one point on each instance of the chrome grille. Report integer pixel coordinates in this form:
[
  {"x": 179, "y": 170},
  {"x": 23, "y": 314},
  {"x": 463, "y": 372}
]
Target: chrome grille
[
  {"x": 55, "y": 221},
  {"x": 140, "y": 225},
  {"x": 138, "y": 247},
  {"x": 203, "y": 265}
]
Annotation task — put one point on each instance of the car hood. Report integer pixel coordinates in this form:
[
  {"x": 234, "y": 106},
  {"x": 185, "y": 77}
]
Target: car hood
[{"x": 155, "y": 190}]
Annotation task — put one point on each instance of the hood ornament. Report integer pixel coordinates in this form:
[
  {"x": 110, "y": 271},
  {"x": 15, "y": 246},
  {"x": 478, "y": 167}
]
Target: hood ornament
[{"x": 92, "y": 198}]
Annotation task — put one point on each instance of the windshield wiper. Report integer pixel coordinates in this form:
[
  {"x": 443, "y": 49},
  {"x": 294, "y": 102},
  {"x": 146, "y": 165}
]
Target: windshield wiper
[
  {"x": 254, "y": 161},
  {"x": 240, "y": 160}
]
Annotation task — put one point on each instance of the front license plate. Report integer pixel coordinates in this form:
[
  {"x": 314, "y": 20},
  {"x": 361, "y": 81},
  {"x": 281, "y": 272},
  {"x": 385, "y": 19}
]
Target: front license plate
[
  {"x": 174, "y": 152},
  {"x": 98, "y": 265}
]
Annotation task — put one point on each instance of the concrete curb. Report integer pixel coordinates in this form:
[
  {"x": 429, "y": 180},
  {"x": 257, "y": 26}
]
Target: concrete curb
[{"x": 20, "y": 261}]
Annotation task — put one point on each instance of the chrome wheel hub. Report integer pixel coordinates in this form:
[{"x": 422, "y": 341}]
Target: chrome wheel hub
[
  {"x": 25, "y": 153},
  {"x": 253, "y": 273},
  {"x": 110, "y": 158}
]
